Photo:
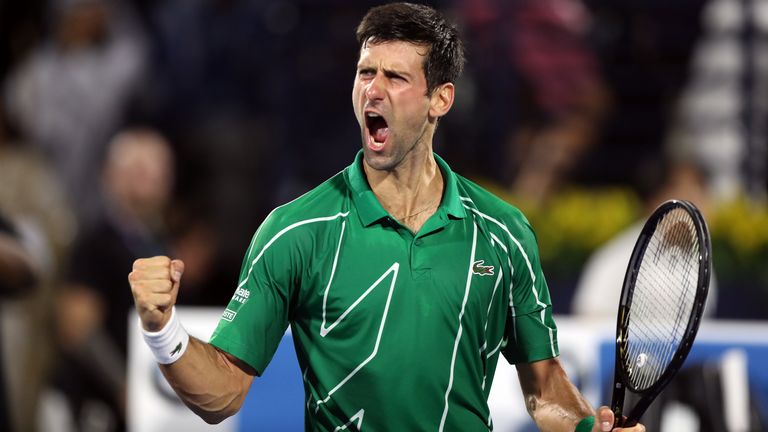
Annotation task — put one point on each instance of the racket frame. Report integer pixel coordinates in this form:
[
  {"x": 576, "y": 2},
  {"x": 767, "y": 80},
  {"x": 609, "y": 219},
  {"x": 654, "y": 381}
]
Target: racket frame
[{"x": 621, "y": 380}]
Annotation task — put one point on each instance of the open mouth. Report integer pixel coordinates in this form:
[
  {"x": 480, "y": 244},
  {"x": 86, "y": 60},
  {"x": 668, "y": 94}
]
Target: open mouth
[{"x": 378, "y": 130}]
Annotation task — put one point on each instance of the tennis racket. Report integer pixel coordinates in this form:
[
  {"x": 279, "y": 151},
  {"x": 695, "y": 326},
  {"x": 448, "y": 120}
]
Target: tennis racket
[{"x": 662, "y": 300}]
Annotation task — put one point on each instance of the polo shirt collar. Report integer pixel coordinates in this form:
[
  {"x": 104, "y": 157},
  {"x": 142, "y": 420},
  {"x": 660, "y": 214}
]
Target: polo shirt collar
[
  {"x": 370, "y": 210},
  {"x": 451, "y": 201},
  {"x": 368, "y": 206}
]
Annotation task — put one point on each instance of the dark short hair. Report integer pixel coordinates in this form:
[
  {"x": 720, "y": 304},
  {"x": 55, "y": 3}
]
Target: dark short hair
[{"x": 418, "y": 24}]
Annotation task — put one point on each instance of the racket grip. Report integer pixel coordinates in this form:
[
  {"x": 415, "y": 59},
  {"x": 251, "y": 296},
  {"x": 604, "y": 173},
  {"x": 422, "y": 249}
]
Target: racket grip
[
  {"x": 617, "y": 404},
  {"x": 617, "y": 420}
]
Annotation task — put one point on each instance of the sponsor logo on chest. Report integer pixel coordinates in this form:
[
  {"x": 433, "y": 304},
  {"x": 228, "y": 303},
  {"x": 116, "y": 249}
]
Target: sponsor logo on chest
[{"x": 482, "y": 270}]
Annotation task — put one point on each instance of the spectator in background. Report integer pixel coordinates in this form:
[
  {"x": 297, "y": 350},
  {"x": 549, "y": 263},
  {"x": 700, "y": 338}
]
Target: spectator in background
[
  {"x": 17, "y": 271},
  {"x": 194, "y": 239},
  {"x": 17, "y": 275},
  {"x": 31, "y": 195},
  {"x": 31, "y": 199},
  {"x": 218, "y": 82},
  {"x": 603, "y": 274},
  {"x": 643, "y": 50},
  {"x": 722, "y": 114},
  {"x": 68, "y": 96},
  {"x": 137, "y": 181},
  {"x": 20, "y": 29},
  {"x": 539, "y": 96}
]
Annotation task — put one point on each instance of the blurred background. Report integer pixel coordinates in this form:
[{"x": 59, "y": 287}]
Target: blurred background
[{"x": 142, "y": 127}]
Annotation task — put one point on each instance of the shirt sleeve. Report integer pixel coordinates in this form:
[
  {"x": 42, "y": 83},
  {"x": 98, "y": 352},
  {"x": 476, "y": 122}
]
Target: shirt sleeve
[
  {"x": 253, "y": 324},
  {"x": 531, "y": 333}
]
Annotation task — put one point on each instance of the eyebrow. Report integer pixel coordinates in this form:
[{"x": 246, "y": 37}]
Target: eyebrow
[
  {"x": 387, "y": 71},
  {"x": 398, "y": 73}
]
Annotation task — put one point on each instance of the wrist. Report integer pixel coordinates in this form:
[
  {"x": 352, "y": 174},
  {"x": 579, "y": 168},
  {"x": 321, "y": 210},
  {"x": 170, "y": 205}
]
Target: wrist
[
  {"x": 170, "y": 342},
  {"x": 586, "y": 424}
]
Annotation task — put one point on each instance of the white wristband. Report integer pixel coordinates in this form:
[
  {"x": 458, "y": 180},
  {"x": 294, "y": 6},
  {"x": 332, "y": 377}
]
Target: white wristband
[{"x": 168, "y": 344}]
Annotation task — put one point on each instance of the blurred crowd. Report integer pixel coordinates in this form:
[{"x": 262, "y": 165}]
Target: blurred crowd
[{"x": 135, "y": 128}]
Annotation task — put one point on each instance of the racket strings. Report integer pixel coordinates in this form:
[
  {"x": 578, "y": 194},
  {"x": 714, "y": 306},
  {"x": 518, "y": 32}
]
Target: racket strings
[{"x": 663, "y": 299}]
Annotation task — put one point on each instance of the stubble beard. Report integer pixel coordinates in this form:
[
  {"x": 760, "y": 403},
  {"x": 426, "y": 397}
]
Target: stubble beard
[{"x": 396, "y": 154}]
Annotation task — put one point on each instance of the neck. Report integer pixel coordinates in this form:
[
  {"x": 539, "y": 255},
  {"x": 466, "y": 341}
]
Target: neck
[{"x": 411, "y": 192}]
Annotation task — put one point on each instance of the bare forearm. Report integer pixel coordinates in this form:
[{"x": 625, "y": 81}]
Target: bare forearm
[
  {"x": 211, "y": 383},
  {"x": 561, "y": 414},
  {"x": 207, "y": 382},
  {"x": 552, "y": 401}
]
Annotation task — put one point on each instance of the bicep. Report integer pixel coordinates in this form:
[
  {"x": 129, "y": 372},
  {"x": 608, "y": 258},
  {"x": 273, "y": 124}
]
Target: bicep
[
  {"x": 530, "y": 329},
  {"x": 254, "y": 322}
]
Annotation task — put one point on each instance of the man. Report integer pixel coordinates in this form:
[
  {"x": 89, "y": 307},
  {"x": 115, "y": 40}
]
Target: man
[
  {"x": 17, "y": 272},
  {"x": 137, "y": 182},
  {"x": 51, "y": 96},
  {"x": 402, "y": 281},
  {"x": 18, "y": 275}
]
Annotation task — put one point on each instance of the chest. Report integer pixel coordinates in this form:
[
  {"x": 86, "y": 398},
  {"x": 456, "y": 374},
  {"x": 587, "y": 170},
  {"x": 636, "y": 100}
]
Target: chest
[{"x": 364, "y": 278}]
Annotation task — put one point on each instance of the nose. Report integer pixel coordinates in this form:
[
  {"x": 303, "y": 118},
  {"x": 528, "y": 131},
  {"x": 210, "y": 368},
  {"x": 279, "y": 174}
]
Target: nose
[{"x": 374, "y": 90}]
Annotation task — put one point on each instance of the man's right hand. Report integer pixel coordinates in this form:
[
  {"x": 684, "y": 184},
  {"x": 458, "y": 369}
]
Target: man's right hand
[{"x": 155, "y": 284}]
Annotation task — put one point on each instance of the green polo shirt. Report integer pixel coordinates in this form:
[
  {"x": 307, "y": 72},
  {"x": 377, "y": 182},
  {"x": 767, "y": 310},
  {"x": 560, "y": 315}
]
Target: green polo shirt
[{"x": 394, "y": 331}]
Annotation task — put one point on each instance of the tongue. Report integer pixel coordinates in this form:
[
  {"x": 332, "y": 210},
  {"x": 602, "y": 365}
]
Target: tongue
[
  {"x": 380, "y": 134},
  {"x": 379, "y": 129}
]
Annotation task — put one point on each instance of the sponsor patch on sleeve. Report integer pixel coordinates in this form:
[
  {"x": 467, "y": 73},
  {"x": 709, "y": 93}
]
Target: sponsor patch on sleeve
[{"x": 228, "y": 315}]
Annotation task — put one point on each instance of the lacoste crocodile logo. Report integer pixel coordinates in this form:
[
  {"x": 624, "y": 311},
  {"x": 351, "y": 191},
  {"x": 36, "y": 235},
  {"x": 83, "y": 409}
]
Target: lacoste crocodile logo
[
  {"x": 176, "y": 350},
  {"x": 479, "y": 269}
]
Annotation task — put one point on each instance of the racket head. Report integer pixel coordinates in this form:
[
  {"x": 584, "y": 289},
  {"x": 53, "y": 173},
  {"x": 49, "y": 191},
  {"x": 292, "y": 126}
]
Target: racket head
[{"x": 673, "y": 249}]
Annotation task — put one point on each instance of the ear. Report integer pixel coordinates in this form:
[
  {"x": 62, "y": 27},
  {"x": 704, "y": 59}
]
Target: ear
[{"x": 441, "y": 100}]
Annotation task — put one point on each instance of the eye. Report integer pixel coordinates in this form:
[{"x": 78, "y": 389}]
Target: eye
[
  {"x": 366, "y": 73},
  {"x": 396, "y": 77}
]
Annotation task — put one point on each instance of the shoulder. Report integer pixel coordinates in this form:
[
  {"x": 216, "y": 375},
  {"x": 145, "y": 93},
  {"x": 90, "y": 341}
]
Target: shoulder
[
  {"x": 497, "y": 213},
  {"x": 326, "y": 202}
]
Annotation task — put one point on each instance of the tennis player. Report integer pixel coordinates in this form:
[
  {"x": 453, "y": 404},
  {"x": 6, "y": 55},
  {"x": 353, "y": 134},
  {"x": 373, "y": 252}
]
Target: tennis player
[{"x": 401, "y": 280}]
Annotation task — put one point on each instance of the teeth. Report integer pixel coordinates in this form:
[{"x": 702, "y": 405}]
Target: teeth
[{"x": 372, "y": 114}]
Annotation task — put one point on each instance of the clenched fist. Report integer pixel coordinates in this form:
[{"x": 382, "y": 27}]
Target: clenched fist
[{"x": 155, "y": 284}]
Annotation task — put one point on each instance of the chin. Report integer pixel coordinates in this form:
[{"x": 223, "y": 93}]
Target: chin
[{"x": 378, "y": 161}]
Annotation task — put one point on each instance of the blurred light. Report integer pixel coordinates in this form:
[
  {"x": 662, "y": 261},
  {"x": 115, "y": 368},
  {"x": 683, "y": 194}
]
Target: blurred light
[
  {"x": 760, "y": 13},
  {"x": 724, "y": 15}
]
